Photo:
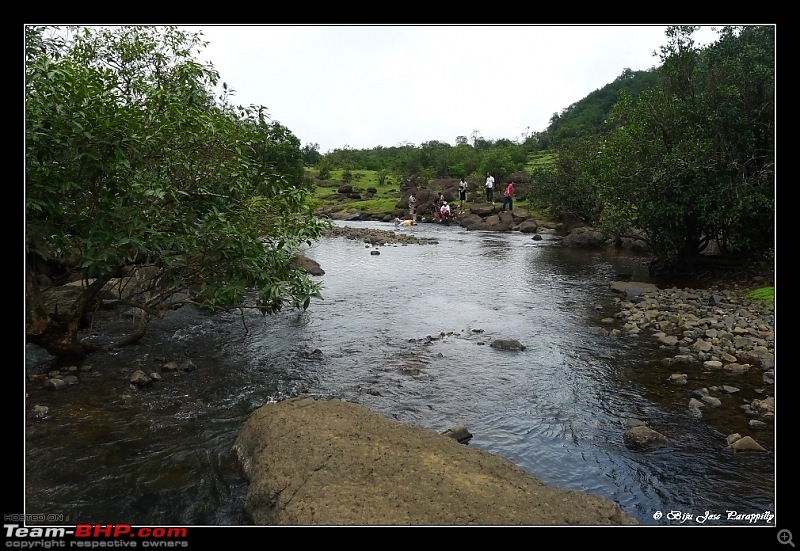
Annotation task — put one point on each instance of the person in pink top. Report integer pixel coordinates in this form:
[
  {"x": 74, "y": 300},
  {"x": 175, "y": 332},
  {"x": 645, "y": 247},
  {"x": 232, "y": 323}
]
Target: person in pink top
[{"x": 508, "y": 196}]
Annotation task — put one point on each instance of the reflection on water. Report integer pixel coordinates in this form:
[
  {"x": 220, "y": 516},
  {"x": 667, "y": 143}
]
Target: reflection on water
[{"x": 405, "y": 333}]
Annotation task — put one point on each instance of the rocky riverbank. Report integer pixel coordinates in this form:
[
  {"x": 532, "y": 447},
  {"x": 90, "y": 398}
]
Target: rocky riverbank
[
  {"x": 715, "y": 342},
  {"x": 380, "y": 237},
  {"x": 479, "y": 216}
]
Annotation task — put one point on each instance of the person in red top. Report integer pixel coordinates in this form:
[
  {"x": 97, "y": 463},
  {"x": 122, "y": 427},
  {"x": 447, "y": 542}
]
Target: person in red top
[{"x": 508, "y": 196}]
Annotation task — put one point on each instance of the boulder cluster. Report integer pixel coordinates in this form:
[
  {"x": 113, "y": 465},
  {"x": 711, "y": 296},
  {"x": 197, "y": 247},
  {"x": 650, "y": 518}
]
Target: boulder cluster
[{"x": 703, "y": 333}]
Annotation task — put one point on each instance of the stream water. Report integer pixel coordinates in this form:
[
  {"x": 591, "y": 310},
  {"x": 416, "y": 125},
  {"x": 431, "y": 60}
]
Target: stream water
[{"x": 406, "y": 333}]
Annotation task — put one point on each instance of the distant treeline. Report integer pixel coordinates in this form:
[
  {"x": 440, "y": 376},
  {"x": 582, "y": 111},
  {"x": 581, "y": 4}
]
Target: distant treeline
[{"x": 475, "y": 155}]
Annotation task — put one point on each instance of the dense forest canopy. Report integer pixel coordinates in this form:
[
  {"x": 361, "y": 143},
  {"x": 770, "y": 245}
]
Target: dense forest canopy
[{"x": 147, "y": 189}]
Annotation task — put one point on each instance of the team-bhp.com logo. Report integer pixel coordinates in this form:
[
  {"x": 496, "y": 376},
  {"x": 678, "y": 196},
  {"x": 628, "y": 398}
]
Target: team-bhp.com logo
[
  {"x": 98, "y": 535},
  {"x": 123, "y": 530}
]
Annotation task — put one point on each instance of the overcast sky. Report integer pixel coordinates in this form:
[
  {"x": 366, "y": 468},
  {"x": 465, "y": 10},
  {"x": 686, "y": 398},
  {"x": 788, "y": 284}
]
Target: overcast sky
[{"x": 368, "y": 86}]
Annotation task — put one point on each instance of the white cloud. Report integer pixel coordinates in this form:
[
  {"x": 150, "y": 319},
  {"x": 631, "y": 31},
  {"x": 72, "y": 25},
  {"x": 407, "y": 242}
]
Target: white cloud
[{"x": 368, "y": 86}]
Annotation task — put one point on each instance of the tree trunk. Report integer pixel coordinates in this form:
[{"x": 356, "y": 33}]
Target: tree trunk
[
  {"x": 141, "y": 329},
  {"x": 56, "y": 332},
  {"x": 59, "y": 339}
]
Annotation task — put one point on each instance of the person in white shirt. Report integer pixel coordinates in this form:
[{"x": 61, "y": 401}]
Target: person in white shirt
[
  {"x": 412, "y": 203},
  {"x": 444, "y": 211},
  {"x": 489, "y": 188},
  {"x": 462, "y": 195}
]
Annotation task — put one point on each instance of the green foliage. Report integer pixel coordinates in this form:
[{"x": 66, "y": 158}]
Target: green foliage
[
  {"x": 324, "y": 171},
  {"x": 279, "y": 150},
  {"x": 692, "y": 163},
  {"x": 564, "y": 181},
  {"x": 311, "y": 154},
  {"x": 588, "y": 117},
  {"x": 765, "y": 294},
  {"x": 498, "y": 162},
  {"x": 435, "y": 159},
  {"x": 463, "y": 161},
  {"x": 540, "y": 161},
  {"x": 383, "y": 175},
  {"x": 129, "y": 159},
  {"x": 376, "y": 205},
  {"x": 379, "y": 194}
]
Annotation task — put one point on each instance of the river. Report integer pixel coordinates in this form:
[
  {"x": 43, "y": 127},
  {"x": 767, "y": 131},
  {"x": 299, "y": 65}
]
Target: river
[{"x": 406, "y": 333}]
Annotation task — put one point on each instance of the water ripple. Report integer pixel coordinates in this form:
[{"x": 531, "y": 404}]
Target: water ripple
[{"x": 408, "y": 334}]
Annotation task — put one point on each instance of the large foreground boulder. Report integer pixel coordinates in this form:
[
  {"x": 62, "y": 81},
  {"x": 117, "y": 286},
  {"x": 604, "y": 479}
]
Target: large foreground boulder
[{"x": 329, "y": 462}]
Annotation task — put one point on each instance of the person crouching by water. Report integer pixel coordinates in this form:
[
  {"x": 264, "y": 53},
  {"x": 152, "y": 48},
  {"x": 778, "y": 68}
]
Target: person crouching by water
[{"x": 444, "y": 211}]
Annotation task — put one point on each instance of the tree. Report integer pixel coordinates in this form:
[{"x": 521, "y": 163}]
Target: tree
[
  {"x": 280, "y": 151},
  {"x": 311, "y": 154},
  {"x": 143, "y": 189},
  {"x": 692, "y": 163},
  {"x": 497, "y": 161},
  {"x": 568, "y": 183},
  {"x": 475, "y": 136},
  {"x": 437, "y": 155},
  {"x": 324, "y": 170},
  {"x": 463, "y": 161}
]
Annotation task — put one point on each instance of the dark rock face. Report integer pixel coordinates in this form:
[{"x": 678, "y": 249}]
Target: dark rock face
[
  {"x": 474, "y": 222},
  {"x": 644, "y": 438},
  {"x": 508, "y": 344},
  {"x": 585, "y": 238},
  {"x": 310, "y": 266},
  {"x": 529, "y": 226},
  {"x": 460, "y": 433},
  {"x": 570, "y": 222},
  {"x": 329, "y": 462}
]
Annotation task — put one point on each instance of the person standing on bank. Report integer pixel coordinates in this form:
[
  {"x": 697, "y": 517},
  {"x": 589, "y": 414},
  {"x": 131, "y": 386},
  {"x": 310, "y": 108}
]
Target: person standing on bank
[
  {"x": 412, "y": 203},
  {"x": 462, "y": 195},
  {"x": 489, "y": 188},
  {"x": 508, "y": 196}
]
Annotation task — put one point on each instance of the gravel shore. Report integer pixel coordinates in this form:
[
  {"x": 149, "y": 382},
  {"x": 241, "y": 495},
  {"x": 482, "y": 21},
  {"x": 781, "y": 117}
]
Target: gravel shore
[{"x": 715, "y": 343}]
